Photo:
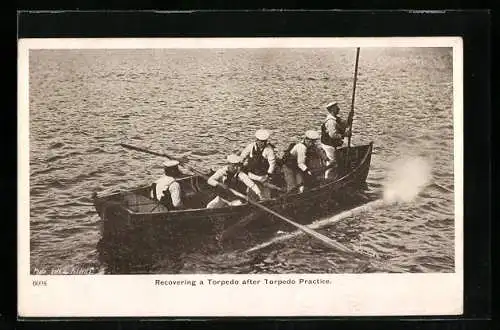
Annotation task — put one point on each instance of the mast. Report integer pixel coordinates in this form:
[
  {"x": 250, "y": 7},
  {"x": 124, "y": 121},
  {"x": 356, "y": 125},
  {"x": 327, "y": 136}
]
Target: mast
[{"x": 351, "y": 113}]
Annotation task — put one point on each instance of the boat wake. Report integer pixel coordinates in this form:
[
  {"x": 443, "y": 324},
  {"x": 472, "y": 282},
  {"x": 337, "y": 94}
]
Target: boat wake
[{"x": 407, "y": 177}]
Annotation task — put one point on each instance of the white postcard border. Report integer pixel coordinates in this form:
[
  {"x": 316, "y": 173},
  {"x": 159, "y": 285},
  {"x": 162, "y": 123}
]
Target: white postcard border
[{"x": 137, "y": 295}]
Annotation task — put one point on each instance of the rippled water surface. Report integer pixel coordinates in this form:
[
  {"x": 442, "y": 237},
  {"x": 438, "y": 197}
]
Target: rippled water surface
[{"x": 209, "y": 102}]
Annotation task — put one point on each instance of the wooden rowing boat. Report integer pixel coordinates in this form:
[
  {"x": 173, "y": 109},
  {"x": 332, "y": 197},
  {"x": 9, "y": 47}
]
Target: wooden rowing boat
[{"x": 132, "y": 217}]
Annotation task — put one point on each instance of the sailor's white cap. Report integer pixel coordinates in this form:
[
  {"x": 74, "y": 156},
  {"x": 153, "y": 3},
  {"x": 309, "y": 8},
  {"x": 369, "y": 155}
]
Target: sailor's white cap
[
  {"x": 170, "y": 163},
  {"x": 330, "y": 105},
  {"x": 233, "y": 159},
  {"x": 312, "y": 135},
  {"x": 262, "y": 134}
]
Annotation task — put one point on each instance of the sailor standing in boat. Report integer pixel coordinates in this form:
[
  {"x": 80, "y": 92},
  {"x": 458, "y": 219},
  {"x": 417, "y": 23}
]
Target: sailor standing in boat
[
  {"x": 260, "y": 161},
  {"x": 166, "y": 189},
  {"x": 231, "y": 176},
  {"x": 333, "y": 131},
  {"x": 296, "y": 171}
]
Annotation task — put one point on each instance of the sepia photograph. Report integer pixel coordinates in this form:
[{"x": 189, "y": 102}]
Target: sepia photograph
[{"x": 259, "y": 162}]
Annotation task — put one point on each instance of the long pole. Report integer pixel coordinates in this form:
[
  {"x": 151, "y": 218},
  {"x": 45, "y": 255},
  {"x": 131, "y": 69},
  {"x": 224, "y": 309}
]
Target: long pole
[
  {"x": 327, "y": 241},
  {"x": 351, "y": 114}
]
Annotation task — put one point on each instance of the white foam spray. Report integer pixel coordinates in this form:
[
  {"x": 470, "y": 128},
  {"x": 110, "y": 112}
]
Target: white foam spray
[{"x": 406, "y": 178}]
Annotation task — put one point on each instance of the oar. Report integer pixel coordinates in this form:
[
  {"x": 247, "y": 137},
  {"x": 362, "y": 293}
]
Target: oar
[
  {"x": 252, "y": 216},
  {"x": 322, "y": 238},
  {"x": 327, "y": 241},
  {"x": 229, "y": 139},
  {"x": 81, "y": 204},
  {"x": 273, "y": 186}
]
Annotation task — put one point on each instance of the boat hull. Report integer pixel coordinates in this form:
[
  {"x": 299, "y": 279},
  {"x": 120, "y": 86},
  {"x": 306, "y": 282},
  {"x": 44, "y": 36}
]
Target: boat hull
[{"x": 151, "y": 226}]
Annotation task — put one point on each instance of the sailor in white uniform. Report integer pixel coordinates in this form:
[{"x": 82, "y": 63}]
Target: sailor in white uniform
[
  {"x": 231, "y": 176},
  {"x": 333, "y": 131},
  {"x": 260, "y": 160},
  {"x": 297, "y": 158},
  {"x": 166, "y": 189}
]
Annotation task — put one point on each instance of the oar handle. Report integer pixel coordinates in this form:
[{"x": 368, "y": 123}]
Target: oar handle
[{"x": 128, "y": 146}]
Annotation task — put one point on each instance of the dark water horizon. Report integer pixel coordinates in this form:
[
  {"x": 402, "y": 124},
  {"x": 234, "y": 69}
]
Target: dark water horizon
[{"x": 207, "y": 103}]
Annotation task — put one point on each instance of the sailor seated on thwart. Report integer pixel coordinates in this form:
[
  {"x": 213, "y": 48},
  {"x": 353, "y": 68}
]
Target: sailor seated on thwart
[
  {"x": 260, "y": 161},
  {"x": 299, "y": 158},
  {"x": 231, "y": 176},
  {"x": 166, "y": 189}
]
